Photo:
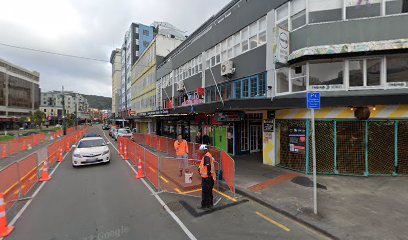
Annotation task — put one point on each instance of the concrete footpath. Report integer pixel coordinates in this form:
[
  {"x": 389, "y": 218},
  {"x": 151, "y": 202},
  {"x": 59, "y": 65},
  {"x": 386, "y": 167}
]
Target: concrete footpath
[{"x": 348, "y": 207}]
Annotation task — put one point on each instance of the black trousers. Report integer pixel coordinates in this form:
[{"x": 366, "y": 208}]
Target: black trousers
[{"x": 207, "y": 185}]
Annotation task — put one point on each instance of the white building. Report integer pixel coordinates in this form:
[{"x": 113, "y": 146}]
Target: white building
[{"x": 51, "y": 104}]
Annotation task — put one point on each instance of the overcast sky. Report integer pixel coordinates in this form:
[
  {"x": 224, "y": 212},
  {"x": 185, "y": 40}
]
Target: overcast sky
[{"x": 89, "y": 28}]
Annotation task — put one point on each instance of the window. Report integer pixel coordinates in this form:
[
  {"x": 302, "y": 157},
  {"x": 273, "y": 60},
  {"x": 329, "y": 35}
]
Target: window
[
  {"x": 356, "y": 73},
  {"x": 282, "y": 80},
  {"x": 237, "y": 85},
  {"x": 145, "y": 32},
  {"x": 298, "y": 13},
  {"x": 137, "y": 41},
  {"x": 254, "y": 86},
  {"x": 298, "y": 78},
  {"x": 396, "y": 6},
  {"x": 245, "y": 88},
  {"x": 217, "y": 54},
  {"x": 145, "y": 44},
  {"x": 262, "y": 85},
  {"x": 237, "y": 44},
  {"x": 361, "y": 9},
  {"x": 365, "y": 73},
  {"x": 397, "y": 70},
  {"x": 244, "y": 39},
  {"x": 253, "y": 35},
  {"x": 328, "y": 73},
  {"x": 262, "y": 31},
  {"x": 137, "y": 29},
  {"x": 325, "y": 11},
  {"x": 282, "y": 15},
  {"x": 373, "y": 72}
]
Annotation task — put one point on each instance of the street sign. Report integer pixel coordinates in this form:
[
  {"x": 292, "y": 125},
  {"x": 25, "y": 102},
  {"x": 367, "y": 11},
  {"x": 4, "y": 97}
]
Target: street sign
[{"x": 313, "y": 100}]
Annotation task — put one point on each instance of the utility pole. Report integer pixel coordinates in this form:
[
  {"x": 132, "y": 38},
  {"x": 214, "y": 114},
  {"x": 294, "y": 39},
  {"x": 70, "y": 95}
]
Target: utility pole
[
  {"x": 64, "y": 115},
  {"x": 76, "y": 114},
  {"x": 126, "y": 107}
]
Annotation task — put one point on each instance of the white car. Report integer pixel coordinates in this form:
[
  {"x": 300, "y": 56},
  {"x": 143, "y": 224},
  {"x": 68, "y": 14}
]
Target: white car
[
  {"x": 91, "y": 150},
  {"x": 123, "y": 132}
]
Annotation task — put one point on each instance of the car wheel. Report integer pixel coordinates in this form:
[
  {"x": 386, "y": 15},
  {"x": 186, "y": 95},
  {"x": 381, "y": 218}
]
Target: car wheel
[{"x": 74, "y": 166}]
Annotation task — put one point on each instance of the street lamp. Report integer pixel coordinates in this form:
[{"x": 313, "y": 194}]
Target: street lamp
[{"x": 64, "y": 116}]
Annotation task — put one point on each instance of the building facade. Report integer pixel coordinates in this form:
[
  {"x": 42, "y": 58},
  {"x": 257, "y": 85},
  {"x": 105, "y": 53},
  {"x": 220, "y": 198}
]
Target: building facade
[
  {"x": 19, "y": 94},
  {"x": 116, "y": 61},
  {"x": 242, "y": 79},
  {"x": 143, "y": 89},
  {"x": 52, "y": 105},
  {"x": 136, "y": 39}
]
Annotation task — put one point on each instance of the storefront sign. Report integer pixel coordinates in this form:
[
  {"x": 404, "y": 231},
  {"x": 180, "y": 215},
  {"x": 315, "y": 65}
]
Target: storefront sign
[
  {"x": 229, "y": 116},
  {"x": 333, "y": 87},
  {"x": 396, "y": 85},
  {"x": 194, "y": 101},
  {"x": 268, "y": 126},
  {"x": 281, "y": 45},
  {"x": 151, "y": 113},
  {"x": 297, "y": 140},
  {"x": 200, "y": 91}
]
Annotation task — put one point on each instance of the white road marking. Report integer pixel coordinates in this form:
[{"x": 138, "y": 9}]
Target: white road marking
[{"x": 171, "y": 213}]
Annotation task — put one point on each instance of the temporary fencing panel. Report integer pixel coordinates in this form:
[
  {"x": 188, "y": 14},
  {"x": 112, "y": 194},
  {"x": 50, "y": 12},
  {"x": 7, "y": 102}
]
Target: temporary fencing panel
[
  {"x": 152, "y": 165},
  {"x": 28, "y": 172},
  {"x": 402, "y": 152},
  {"x": 228, "y": 169},
  {"x": 381, "y": 147},
  {"x": 9, "y": 184},
  {"x": 14, "y": 147}
]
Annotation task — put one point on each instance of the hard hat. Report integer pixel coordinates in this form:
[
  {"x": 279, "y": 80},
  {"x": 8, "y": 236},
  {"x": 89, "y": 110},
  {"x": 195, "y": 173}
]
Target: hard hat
[{"x": 203, "y": 147}]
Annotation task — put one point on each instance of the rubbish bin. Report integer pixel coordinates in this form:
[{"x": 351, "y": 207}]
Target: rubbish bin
[{"x": 188, "y": 177}]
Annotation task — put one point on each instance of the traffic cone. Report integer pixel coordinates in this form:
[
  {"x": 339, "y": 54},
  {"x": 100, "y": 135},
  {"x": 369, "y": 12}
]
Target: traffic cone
[
  {"x": 5, "y": 229},
  {"x": 4, "y": 152},
  {"x": 67, "y": 148},
  {"x": 23, "y": 146},
  {"x": 125, "y": 156},
  {"x": 140, "y": 173},
  {"x": 158, "y": 146},
  {"x": 120, "y": 148},
  {"x": 29, "y": 147},
  {"x": 61, "y": 159},
  {"x": 45, "y": 177}
]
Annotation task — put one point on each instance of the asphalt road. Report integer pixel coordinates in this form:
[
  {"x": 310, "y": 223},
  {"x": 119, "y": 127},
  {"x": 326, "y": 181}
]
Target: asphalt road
[{"x": 104, "y": 202}]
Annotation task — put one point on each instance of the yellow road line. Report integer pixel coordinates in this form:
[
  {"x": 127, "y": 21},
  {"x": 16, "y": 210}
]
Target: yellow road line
[
  {"x": 225, "y": 195},
  {"x": 196, "y": 190},
  {"x": 272, "y": 221},
  {"x": 177, "y": 190},
  {"x": 164, "y": 179}
]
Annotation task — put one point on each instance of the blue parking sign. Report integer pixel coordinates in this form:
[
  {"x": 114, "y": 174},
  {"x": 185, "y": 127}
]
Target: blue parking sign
[{"x": 313, "y": 100}]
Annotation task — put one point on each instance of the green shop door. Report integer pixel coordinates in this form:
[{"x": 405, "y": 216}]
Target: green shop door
[{"x": 220, "y": 138}]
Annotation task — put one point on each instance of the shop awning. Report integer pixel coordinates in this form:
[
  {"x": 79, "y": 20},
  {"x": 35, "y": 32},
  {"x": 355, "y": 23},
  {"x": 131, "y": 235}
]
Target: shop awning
[{"x": 396, "y": 44}]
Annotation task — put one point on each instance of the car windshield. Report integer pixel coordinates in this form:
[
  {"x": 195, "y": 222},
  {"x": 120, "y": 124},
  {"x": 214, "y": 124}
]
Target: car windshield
[
  {"x": 91, "y": 143},
  {"x": 124, "y": 131}
]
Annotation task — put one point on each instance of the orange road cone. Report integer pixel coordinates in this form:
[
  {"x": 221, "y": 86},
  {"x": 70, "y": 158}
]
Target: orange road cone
[
  {"x": 125, "y": 156},
  {"x": 4, "y": 152},
  {"x": 5, "y": 229},
  {"x": 67, "y": 148},
  {"x": 23, "y": 146},
  {"x": 140, "y": 173},
  {"x": 120, "y": 148},
  {"x": 45, "y": 177},
  {"x": 60, "y": 159},
  {"x": 158, "y": 146},
  {"x": 29, "y": 147}
]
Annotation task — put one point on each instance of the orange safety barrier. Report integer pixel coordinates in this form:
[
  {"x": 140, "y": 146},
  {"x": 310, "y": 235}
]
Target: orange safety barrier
[
  {"x": 151, "y": 168},
  {"x": 9, "y": 184},
  {"x": 28, "y": 173},
  {"x": 228, "y": 169},
  {"x": 5, "y": 229}
]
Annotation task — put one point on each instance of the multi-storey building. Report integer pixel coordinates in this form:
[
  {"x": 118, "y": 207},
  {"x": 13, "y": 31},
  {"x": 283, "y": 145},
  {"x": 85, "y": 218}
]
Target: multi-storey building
[
  {"x": 136, "y": 40},
  {"x": 242, "y": 77},
  {"x": 52, "y": 105},
  {"x": 116, "y": 61},
  {"x": 143, "y": 87},
  {"x": 19, "y": 93}
]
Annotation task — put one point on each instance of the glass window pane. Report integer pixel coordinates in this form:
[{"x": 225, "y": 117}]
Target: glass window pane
[
  {"x": 361, "y": 9},
  {"x": 253, "y": 29},
  {"x": 237, "y": 49},
  {"x": 244, "y": 34},
  {"x": 262, "y": 38},
  {"x": 237, "y": 38},
  {"x": 397, "y": 69},
  {"x": 230, "y": 54},
  {"x": 373, "y": 72},
  {"x": 245, "y": 88},
  {"x": 396, "y": 6},
  {"x": 254, "y": 86},
  {"x": 356, "y": 73},
  {"x": 282, "y": 80},
  {"x": 223, "y": 56},
  {"x": 262, "y": 24},
  {"x": 237, "y": 89},
  {"x": 298, "y": 19},
  {"x": 298, "y": 80},
  {"x": 282, "y": 12},
  {"x": 244, "y": 45},
  {"x": 326, "y": 73},
  {"x": 325, "y": 11},
  {"x": 229, "y": 42},
  {"x": 253, "y": 42},
  {"x": 284, "y": 25},
  {"x": 262, "y": 85}
]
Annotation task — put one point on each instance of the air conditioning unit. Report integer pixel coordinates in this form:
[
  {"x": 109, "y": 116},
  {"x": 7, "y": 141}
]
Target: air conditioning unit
[
  {"x": 227, "y": 68},
  {"x": 180, "y": 86}
]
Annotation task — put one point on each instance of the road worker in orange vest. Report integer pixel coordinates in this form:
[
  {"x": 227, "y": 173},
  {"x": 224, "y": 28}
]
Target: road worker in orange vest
[
  {"x": 208, "y": 177},
  {"x": 181, "y": 147}
]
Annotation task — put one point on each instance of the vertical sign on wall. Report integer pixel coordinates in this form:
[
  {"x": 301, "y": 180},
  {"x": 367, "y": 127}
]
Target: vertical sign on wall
[{"x": 281, "y": 45}]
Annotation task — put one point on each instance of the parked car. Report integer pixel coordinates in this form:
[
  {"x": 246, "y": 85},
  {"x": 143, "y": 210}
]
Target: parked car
[
  {"x": 90, "y": 150},
  {"x": 106, "y": 127},
  {"x": 114, "y": 131},
  {"x": 123, "y": 132}
]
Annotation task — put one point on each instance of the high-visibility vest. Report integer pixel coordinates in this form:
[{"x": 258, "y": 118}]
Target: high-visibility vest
[
  {"x": 203, "y": 168},
  {"x": 181, "y": 148}
]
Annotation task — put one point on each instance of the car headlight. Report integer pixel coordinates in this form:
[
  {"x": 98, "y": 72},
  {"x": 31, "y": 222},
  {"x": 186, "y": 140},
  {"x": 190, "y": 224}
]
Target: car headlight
[
  {"x": 77, "y": 155},
  {"x": 105, "y": 152}
]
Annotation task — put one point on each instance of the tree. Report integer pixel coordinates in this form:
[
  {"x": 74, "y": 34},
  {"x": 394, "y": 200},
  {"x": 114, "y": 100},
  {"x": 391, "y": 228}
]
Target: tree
[
  {"x": 38, "y": 117},
  {"x": 71, "y": 120}
]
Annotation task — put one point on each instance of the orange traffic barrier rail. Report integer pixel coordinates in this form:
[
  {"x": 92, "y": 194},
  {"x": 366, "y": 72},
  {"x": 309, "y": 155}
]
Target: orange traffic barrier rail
[
  {"x": 20, "y": 144},
  {"x": 19, "y": 177}
]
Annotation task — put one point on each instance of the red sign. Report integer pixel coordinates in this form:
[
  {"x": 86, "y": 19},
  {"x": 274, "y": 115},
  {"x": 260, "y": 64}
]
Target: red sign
[
  {"x": 132, "y": 112},
  {"x": 200, "y": 91}
]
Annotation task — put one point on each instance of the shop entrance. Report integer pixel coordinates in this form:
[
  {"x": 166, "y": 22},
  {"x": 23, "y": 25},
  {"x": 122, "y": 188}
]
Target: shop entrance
[
  {"x": 255, "y": 138},
  {"x": 220, "y": 138}
]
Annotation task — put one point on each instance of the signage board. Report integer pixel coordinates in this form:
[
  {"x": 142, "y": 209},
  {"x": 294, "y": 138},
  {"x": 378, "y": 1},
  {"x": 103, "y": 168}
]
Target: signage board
[
  {"x": 313, "y": 100},
  {"x": 229, "y": 116},
  {"x": 297, "y": 140},
  {"x": 281, "y": 45},
  {"x": 268, "y": 126}
]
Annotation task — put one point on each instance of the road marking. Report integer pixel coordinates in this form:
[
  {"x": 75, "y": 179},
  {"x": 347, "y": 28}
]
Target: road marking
[
  {"x": 225, "y": 195},
  {"x": 177, "y": 190},
  {"x": 196, "y": 190},
  {"x": 273, "y": 222},
  {"x": 162, "y": 203},
  {"x": 164, "y": 179}
]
